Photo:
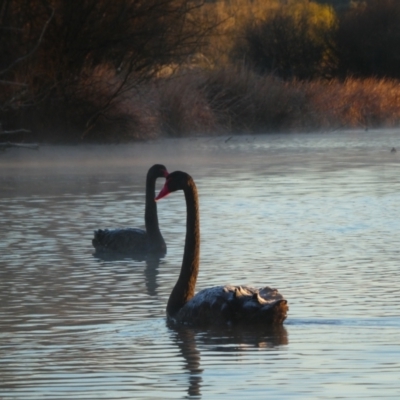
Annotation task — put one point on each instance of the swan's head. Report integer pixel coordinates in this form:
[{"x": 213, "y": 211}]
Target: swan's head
[
  {"x": 158, "y": 170},
  {"x": 176, "y": 180}
]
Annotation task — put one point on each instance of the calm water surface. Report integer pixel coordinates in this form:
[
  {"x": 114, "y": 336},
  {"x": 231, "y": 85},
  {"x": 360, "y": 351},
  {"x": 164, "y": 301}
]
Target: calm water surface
[{"x": 315, "y": 215}]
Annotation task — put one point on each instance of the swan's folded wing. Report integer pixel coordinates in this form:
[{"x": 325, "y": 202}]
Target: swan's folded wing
[
  {"x": 233, "y": 305},
  {"x": 130, "y": 240}
]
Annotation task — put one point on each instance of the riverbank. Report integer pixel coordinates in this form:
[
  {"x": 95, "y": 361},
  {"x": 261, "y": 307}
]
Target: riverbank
[{"x": 198, "y": 102}]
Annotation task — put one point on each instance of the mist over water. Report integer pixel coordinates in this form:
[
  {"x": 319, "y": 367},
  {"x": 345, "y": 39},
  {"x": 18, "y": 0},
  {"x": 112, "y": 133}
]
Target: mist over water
[{"x": 314, "y": 215}]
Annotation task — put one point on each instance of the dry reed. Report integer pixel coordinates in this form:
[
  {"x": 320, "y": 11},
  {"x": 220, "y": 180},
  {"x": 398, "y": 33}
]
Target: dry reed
[{"x": 238, "y": 100}]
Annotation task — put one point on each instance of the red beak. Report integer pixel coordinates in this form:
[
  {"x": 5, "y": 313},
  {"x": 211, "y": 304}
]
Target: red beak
[{"x": 164, "y": 192}]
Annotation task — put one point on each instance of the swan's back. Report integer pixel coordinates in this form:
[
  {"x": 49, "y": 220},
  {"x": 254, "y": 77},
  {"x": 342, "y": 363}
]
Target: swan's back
[
  {"x": 129, "y": 240},
  {"x": 234, "y": 305}
]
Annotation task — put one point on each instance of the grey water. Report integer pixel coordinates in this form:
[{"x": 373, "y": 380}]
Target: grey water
[{"x": 315, "y": 215}]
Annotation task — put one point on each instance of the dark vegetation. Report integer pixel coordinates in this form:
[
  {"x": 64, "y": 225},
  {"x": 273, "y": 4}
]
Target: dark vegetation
[
  {"x": 336, "y": 4},
  {"x": 290, "y": 45},
  {"x": 66, "y": 66},
  {"x": 105, "y": 70},
  {"x": 368, "y": 40}
]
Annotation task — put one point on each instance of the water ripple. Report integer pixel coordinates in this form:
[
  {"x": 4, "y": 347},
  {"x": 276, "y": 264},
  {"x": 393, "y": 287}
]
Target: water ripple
[{"x": 315, "y": 216}]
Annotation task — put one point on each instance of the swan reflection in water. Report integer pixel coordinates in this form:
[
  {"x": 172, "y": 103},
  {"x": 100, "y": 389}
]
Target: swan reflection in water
[
  {"x": 151, "y": 271},
  {"x": 218, "y": 340}
]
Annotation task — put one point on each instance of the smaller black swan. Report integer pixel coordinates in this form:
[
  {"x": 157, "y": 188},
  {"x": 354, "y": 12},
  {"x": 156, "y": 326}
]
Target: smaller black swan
[
  {"x": 220, "y": 305},
  {"x": 133, "y": 240}
]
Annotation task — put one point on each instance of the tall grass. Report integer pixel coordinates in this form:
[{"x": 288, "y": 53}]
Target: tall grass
[
  {"x": 228, "y": 100},
  {"x": 354, "y": 103},
  {"x": 231, "y": 100}
]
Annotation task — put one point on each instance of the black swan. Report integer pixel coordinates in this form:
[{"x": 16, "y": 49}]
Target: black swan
[
  {"x": 133, "y": 240},
  {"x": 220, "y": 305}
]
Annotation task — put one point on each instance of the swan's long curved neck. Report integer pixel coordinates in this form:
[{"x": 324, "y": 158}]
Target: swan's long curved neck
[
  {"x": 150, "y": 214},
  {"x": 185, "y": 286}
]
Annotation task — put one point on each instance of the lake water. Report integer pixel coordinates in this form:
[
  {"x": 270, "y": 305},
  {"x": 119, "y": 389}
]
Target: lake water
[{"x": 315, "y": 215}]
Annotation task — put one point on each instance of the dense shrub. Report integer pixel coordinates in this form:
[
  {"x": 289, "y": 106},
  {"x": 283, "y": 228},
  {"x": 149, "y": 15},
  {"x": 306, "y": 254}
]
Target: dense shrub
[
  {"x": 336, "y": 4},
  {"x": 51, "y": 49},
  {"x": 245, "y": 102},
  {"x": 99, "y": 70},
  {"x": 292, "y": 41},
  {"x": 368, "y": 40},
  {"x": 230, "y": 17},
  {"x": 237, "y": 100}
]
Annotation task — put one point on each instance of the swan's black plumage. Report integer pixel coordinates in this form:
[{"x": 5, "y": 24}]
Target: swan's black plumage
[
  {"x": 134, "y": 240},
  {"x": 232, "y": 305}
]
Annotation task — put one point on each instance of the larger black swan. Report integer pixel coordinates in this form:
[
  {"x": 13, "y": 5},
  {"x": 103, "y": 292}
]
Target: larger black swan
[
  {"x": 220, "y": 305},
  {"x": 133, "y": 240}
]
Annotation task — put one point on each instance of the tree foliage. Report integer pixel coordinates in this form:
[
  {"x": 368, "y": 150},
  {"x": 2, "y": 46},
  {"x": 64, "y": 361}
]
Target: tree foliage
[
  {"x": 293, "y": 40},
  {"x": 368, "y": 40},
  {"x": 70, "y": 70},
  {"x": 56, "y": 54}
]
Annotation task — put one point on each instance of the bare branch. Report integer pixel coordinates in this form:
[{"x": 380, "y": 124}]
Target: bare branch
[{"x": 18, "y": 60}]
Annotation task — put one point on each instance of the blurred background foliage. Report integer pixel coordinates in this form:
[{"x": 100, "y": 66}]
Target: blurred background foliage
[{"x": 73, "y": 71}]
